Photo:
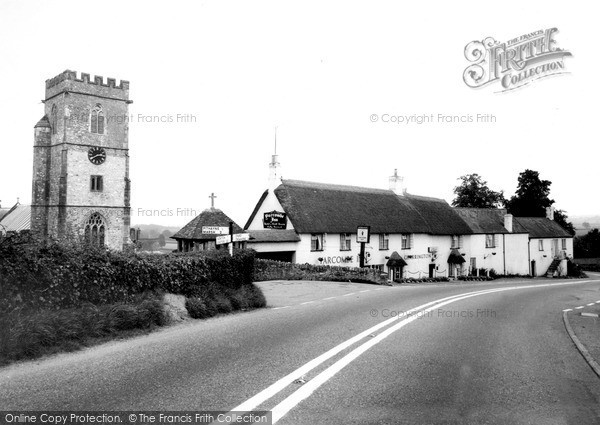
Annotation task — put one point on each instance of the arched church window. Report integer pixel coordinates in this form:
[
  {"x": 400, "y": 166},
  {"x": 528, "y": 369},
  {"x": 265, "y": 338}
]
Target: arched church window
[
  {"x": 95, "y": 230},
  {"x": 54, "y": 120},
  {"x": 97, "y": 120}
]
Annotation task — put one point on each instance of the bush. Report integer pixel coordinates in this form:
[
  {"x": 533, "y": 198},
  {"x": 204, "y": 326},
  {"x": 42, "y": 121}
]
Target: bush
[
  {"x": 274, "y": 270},
  {"x": 27, "y": 334},
  {"x": 421, "y": 280},
  {"x": 212, "y": 302},
  {"x": 38, "y": 275}
]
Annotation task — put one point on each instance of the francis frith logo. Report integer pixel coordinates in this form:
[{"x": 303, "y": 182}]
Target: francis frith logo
[{"x": 516, "y": 62}]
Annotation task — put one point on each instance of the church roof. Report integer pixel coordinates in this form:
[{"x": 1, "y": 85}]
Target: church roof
[
  {"x": 17, "y": 219},
  {"x": 326, "y": 208},
  {"x": 208, "y": 217},
  {"x": 43, "y": 122}
]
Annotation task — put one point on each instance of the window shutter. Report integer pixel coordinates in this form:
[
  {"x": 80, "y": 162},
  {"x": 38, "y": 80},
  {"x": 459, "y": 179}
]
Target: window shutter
[
  {"x": 496, "y": 240},
  {"x": 410, "y": 240},
  {"x": 460, "y": 241},
  {"x": 324, "y": 234}
]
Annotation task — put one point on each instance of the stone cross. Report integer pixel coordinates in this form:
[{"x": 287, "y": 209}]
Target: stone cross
[{"x": 212, "y": 200}]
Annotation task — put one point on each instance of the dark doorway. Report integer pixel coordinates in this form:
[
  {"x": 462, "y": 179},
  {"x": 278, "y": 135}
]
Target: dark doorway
[
  {"x": 533, "y": 271},
  {"x": 431, "y": 270}
]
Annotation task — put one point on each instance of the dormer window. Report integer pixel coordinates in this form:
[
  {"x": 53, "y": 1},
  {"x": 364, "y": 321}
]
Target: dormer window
[{"x": 97, "y": 120}]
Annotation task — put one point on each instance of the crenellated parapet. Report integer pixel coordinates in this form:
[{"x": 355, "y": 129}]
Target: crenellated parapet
[{"x": 69, "y": 81}]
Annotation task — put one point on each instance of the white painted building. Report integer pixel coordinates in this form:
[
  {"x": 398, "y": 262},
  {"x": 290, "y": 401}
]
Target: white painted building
[{"x": 411, "y": 236}]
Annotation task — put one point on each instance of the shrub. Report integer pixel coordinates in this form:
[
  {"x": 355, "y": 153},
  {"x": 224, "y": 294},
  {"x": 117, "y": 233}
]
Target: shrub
[
  {"x": 51, "y": 275},
  {"x": 274, "y": 270},
  {"x": 225, "y": 300},
  {"x": 28, "y": 334}
]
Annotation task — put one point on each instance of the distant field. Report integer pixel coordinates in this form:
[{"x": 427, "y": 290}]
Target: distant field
[{"x": 586, "y": 261}]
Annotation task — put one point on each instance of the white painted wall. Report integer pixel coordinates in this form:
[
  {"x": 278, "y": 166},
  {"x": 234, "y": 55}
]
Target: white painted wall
[
  {"x": 544, "y": 258},
  {"x": 270, "y": 203}
]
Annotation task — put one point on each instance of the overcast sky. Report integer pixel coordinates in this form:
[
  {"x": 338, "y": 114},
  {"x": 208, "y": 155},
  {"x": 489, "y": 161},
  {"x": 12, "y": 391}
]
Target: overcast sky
[{"x": 318, "y": 72}]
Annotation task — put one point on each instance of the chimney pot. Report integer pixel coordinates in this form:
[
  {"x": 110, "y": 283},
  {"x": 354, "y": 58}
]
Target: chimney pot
[{"x": 550, "y": 213}]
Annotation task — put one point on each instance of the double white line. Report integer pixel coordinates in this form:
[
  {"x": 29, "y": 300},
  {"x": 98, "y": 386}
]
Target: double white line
[{"x": 309, "y": 387}]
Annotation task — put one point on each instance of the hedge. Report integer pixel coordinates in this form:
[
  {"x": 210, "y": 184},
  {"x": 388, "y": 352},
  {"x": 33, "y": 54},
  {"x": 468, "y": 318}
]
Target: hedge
[
  {"x": 277, "y": 270},
  {"x": 38, "y": 275}
]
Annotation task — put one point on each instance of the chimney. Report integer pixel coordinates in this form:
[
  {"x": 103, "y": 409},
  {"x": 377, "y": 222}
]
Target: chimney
[
  {"x": 550, "y": 213},
  {"x": 397, "y": 183},
  {"x": 508, "y": 222}
]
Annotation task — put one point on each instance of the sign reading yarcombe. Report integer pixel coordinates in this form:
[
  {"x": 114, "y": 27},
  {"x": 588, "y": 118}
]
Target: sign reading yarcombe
[{"x": 516, "y": 62}]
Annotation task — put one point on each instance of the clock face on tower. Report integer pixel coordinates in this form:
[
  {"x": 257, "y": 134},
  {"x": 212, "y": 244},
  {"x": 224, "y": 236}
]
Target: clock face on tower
[{"x": 96, "y": 155}]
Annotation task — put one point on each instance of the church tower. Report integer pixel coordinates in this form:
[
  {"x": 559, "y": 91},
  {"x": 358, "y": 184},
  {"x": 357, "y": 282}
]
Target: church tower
[{"x": 81, "y": 187}]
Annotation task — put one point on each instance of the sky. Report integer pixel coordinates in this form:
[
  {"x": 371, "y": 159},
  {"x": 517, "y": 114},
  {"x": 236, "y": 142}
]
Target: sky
[{"x": 330, "y": 76}]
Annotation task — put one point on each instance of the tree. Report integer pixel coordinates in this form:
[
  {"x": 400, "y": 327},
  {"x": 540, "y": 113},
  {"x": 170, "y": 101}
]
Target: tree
[
  {"x": 561, "y": 218},
  {"x": 473, "y": 192},
  {"x": 531, "y": 197},
  {"x": 161, "y": 240},
  {"x": 587, "y": 246},
  {"x": 586, "y": 225}
]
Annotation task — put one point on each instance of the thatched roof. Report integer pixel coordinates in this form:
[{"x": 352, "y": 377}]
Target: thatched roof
[
  {"x": 542, "y": 227},
  {"x": 325, "y": 208},
  {"x": 208, "y": 217}
]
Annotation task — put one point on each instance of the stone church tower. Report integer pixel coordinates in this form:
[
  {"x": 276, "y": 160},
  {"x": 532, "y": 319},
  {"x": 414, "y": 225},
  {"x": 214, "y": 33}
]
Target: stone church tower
[{"x": 81, "y": 186}]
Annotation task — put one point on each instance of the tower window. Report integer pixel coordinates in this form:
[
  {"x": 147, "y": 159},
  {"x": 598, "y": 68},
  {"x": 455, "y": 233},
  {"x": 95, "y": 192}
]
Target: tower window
[
  {"x": 97, "y": 120},
  {"x": 54, "y": 120},
  {"x": 96, "y": 184},
  {"x": 95, "y": 230}
]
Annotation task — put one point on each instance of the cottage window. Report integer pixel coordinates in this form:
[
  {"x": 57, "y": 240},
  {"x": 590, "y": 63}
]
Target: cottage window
[
  {"x": 490, "y": 241},
  {"x": 541, "y": 245},
  {"x": 407, "y": 241},
  {"x": 316, "y": 242},
  {"x": 456, "y": 241},
  {"x": 384, "y": 241},
  {"x": 97, "y": 120},
  {"x": 345, "y": 242},
  {"x": 96, "y": 184},
  {"x": 564, "y": 244}
]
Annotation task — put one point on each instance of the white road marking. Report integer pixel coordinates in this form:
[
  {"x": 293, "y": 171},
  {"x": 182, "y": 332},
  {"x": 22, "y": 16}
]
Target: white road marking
[
  {"x": 279, "y": 308},
  {"x": 598, "y": 302},
  {"x": 307, "y": 389},
  {"x": 590, "y": 304},
  {"x": 568, "y": 309},
  {"x": 328, "y": 298},
  {"x": 366, "y": 290},
  {"x": 346, "y": 295},
  {"x": 579, "y": 308},
  {"x": 307, "y": 302}
]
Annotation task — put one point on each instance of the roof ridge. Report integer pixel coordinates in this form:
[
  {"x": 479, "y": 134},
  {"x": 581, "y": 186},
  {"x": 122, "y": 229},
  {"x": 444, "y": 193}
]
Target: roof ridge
[{"x": 333, "y": 186}]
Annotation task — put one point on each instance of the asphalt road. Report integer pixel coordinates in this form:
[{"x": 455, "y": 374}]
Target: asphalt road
[{"x": 497, "y": 357}]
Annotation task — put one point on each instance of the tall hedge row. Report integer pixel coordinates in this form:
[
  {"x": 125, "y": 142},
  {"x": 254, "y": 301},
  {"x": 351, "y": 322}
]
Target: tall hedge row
[
  {"x": 41, "y": 275},
  {"x": 275, "y": 270}
]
